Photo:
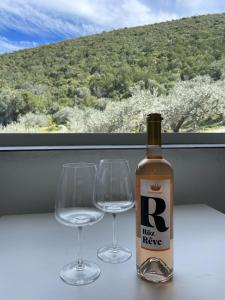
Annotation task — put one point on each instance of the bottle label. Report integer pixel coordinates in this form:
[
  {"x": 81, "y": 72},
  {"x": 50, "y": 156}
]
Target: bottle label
[{"x": 155, "y": 213}]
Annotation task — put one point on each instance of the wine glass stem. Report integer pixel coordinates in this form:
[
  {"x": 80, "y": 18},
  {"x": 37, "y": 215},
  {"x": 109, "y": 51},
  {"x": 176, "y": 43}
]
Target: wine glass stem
[
  {"x": 80, "y": 264},
  {"x": 114, "y": 244}
]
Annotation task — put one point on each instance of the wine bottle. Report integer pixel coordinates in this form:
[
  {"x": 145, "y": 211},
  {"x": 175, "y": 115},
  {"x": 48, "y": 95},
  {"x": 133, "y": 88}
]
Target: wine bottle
[{"x": 154, "y": 209}]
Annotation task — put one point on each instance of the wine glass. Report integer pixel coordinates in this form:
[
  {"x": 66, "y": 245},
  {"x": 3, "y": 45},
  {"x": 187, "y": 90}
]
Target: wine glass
[
  {"x": 114, "y": 195},
  {"x": 75, "y": 206}
]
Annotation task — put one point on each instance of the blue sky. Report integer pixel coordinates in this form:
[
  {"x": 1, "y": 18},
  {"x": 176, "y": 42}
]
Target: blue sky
[{"x": 30, "y": 23}]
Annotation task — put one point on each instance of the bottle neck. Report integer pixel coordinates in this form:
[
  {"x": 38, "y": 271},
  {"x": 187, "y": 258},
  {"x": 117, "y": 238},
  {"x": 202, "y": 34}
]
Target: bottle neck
[{"x": 154, "y": 149}]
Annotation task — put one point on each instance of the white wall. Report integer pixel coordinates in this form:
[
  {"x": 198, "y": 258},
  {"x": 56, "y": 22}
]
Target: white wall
[{"x": 28, "y": 179}]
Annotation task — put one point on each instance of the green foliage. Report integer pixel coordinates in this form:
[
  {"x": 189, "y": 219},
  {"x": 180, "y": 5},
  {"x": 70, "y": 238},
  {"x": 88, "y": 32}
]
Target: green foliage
[
  {"x": 35, "y": 120},
  {"x": 63, "y": 115},
  {"x": 189, "y": 106},
  {"x": 97, "y": 71},
  {"x": 11, "y": 105}
]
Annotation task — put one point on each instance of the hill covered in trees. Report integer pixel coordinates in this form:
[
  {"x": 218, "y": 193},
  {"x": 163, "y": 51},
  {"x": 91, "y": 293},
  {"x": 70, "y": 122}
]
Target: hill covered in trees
[{"x": 94, "y": 71}]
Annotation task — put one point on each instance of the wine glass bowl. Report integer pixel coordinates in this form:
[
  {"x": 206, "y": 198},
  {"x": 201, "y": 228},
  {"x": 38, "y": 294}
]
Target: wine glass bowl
[
  {"x": 114, "y": 188},
  {"x": 79, "y": 216},
  {"x": 114, "y": 194},
  {"x": 75, "y": 206}
]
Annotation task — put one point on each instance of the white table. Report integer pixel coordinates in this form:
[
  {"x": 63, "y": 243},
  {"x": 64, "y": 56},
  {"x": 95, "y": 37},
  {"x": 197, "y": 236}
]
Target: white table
[{"x": 34, "y": 247}]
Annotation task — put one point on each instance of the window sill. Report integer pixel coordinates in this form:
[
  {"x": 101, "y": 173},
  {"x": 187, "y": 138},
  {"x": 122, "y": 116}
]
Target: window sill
[{"x": 106, "y": 147}]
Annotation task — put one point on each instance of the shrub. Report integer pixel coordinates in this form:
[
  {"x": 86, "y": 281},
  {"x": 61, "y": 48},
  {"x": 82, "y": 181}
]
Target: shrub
[
  {"x": 83, "y": 92},
  {"x": 63, "y": 115},
  {"x": 34, "y": 120},
  {"x": 11, "y": 105}
]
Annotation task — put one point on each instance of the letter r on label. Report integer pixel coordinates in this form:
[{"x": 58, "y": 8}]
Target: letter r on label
[{"x": 156, "y": 206}]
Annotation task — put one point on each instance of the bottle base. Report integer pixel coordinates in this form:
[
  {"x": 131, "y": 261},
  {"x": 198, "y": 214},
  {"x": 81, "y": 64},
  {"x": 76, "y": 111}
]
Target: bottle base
[{"x": 155, "y": 270}]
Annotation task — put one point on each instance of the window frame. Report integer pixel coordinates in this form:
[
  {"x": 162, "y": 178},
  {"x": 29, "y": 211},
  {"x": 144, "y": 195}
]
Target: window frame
[{"x": 60, "y": 141}]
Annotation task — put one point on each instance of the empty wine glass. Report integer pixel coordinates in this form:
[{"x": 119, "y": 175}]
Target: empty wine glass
[
  {"x": 75, "y": 206},
  {"x": 114, "y": 195}
]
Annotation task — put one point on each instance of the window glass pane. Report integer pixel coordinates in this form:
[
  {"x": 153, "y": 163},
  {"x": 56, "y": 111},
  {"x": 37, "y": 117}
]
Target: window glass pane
[{"x": 100, "y": 66}]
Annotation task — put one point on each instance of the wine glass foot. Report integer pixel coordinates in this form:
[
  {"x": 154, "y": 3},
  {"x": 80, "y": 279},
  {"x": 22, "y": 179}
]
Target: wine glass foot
[
  {"x": 114, "y": 255},
  {"x": 74, "y": 275}
]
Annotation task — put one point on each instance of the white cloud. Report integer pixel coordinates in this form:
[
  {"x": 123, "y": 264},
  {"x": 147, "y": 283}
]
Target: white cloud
[
  {"x": 121, "y": 13},
  {"x": 192, "y": 3},
  {"x": 195, "y": 7},
  {"x": 7, "y": 45},
  {"x": 28, "y": 19},
  {"x": 80, "y": 17}
]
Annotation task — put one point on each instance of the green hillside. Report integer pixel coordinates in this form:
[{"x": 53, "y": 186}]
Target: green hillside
[{"x": 81, "y": 72}]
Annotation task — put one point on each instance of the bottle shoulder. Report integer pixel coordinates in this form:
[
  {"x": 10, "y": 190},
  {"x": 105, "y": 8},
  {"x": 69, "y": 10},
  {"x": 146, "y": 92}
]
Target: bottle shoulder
[{"x": 154, "y": 166}]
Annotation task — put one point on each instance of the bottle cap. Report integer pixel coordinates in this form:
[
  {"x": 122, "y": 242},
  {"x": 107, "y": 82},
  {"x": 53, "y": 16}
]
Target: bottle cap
[{"x": 156, "y": 117}]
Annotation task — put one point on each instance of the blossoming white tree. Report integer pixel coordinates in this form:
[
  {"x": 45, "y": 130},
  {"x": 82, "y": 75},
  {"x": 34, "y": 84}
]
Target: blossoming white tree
[
  {"x": 187, "y": 106},
  {"x": 192, "y": 102}
]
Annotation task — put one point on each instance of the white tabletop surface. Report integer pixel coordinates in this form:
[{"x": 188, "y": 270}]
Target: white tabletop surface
[{"x": 34, "y": 247}]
